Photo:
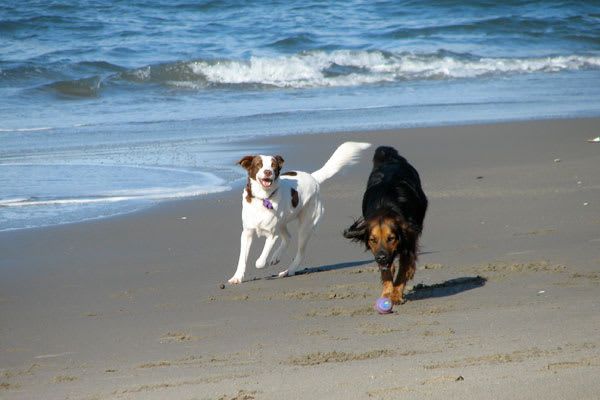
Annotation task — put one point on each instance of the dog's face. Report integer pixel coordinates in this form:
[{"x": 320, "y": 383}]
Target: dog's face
[
  {"x": 383, "y": 239},
  {"x": 263, "y": 169},
  {"x": 382, "y": 235}
]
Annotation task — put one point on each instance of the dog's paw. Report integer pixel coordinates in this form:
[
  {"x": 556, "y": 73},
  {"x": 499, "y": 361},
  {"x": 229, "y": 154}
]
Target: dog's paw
[
  {"x": 283, "y": 274},
  {"x": 260, "y": 264},
  {"x": 274, "y": 261},
  {"x": 387, "y": 295},
  {"x": 396, "y": 300},
  {"x": 235, "y": 280},
  {"x": 397, "y": 297}
]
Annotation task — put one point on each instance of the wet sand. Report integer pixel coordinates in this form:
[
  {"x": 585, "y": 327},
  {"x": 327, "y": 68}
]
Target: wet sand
[{"x": 505, "y": 303}]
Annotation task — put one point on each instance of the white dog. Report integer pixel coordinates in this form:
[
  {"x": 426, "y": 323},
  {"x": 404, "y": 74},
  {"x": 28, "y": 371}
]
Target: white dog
[{"x": 271, "y": 201}]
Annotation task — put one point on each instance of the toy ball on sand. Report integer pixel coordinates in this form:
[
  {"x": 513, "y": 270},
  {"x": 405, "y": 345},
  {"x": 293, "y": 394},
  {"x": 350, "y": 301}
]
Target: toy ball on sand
[{"x": 383, "y": 305}]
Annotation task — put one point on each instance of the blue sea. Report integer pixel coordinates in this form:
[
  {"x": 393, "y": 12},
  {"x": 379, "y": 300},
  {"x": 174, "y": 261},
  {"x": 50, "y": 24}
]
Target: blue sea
[{"x": 110, "y": 106}]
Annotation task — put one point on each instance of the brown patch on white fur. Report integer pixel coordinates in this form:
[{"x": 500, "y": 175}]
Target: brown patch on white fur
[
  {"x": 277, "y": 164},
  {"x": 295, "y": 198},
  {"x": 249, "y": 195},
  {"x": 251, "y": 164}
]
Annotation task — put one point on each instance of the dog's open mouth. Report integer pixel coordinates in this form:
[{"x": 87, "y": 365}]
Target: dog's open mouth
[
  {"x": 266, "y": 182},
  {"x": 385, "y": 267}
]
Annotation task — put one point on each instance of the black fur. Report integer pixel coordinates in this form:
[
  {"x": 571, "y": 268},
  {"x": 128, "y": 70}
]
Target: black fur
[{"x": 393, "y": 190}]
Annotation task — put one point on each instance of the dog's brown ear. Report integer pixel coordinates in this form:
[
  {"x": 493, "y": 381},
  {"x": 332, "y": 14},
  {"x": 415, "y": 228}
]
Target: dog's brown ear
[
  {"x": 246, "y": 162},
  {"x": 357, "y": 232},
  {"x": 279, "y": 160}
]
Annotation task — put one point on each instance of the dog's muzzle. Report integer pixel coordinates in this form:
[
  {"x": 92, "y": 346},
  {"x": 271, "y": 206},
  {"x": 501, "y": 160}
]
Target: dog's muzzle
[{"x": 384, "y": 261}]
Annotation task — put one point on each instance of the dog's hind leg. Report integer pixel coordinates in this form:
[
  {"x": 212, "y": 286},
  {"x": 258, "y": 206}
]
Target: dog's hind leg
[
  {"x": 303, "y": 236},
  {"x": 245, "y": 243},
  {"x": 285, "y": 240},
  {"x": 261, "y": 262},
  {"x": 307, "y": 221}
]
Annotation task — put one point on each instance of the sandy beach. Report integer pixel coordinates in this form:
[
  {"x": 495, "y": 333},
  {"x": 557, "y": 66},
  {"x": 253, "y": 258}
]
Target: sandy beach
[{"x": 505, "y": 303}]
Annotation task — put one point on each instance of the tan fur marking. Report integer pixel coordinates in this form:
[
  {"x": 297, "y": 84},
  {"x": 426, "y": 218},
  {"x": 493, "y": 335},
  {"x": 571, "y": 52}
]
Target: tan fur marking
[
  {"x": 388, "y": 287},
  {"x": 382, "y": 236},
  {"x": 405, "y": 275}
]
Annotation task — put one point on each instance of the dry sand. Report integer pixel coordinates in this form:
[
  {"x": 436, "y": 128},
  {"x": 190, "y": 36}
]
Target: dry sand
[{"x": 505, "y": 305}]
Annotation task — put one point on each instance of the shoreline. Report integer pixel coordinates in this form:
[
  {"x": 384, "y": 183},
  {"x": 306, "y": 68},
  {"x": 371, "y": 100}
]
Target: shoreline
[
  {"x": 265, "y": 140},
  {"x": 129, "y": 307}
]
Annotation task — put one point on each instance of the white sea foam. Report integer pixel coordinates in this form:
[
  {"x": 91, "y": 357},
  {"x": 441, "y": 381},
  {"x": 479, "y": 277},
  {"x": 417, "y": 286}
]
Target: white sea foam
[
  {"x": 316, "y": 69},
  {"x": 118, "y": 196},
  {"x": 41, "y": 128},
  {"x": 9, "y": 202}
]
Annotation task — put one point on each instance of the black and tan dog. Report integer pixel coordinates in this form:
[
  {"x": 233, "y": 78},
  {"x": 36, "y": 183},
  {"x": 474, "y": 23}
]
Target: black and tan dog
[{"x": 393, "y": 209}]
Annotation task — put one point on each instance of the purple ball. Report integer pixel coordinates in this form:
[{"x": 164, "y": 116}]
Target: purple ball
[{"x": 383, "y": 305}]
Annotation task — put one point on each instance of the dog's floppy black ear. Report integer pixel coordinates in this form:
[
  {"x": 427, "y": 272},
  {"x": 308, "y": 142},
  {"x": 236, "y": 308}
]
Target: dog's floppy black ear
[
  {"x": 357, "y": 232},
  {"x": 246, "y": 161}
]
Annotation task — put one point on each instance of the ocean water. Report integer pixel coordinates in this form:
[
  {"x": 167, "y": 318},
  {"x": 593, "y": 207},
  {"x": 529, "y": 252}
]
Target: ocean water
[{"x": 108, "y": 107}]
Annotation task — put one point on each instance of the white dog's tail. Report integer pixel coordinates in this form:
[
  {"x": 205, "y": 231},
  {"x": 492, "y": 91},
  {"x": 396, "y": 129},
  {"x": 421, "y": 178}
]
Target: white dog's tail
[{"x": 346, "y": 154}]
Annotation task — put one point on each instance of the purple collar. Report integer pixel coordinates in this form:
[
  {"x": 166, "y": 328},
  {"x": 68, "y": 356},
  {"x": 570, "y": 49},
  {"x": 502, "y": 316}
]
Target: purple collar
[{"x": 267, "y": 202}]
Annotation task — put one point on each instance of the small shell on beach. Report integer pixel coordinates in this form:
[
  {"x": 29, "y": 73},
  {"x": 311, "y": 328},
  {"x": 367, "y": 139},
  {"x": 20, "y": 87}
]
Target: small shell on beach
[
  {"x": 594, "y": 140},
  {"x": 222, "y": 286},
  {"x": 557, "y": 160},
  {"x": 182, "y": 217}
]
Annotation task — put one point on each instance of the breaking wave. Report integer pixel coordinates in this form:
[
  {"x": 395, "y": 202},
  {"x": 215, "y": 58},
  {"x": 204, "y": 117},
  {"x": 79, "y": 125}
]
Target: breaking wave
[
  {"x": 317, "y": 69},
  {"x": 348, "y": 68}
]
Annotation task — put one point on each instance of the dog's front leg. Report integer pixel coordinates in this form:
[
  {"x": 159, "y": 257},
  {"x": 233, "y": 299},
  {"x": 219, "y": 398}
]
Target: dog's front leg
[
  {"x": 269, "y": 243},
  {"x": 387, "y": 289},
  {"x": 245, "y": 243},
  {"x": 402, "y": 274}
]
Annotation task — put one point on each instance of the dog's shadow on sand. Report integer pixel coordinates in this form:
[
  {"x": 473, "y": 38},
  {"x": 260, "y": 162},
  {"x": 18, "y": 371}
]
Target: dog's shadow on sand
[
  {"x": 333, "y": 267},
  {"x": 323, "y": 268},
  {"x": 419, "y": 291},
  {"x": 448, "y": 288},
  {"x": 330, "y": 267}
]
